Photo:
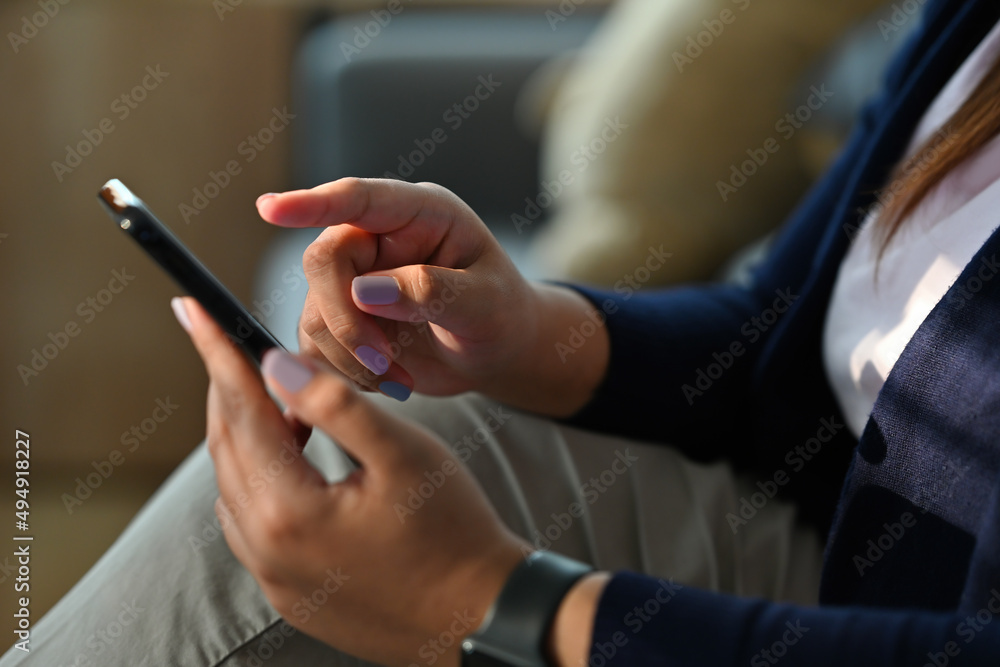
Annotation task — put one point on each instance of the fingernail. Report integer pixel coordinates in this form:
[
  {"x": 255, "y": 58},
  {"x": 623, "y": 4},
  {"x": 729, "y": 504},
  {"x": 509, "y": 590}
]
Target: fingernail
[
  {"x": 181, "y": 313},
  {"x": 265, "y": 197},
  {"x": 286, "y": 370},
  {"x": 395, "y": 390},
  {"x": 372, "y": 359},
  {"x": 375, "y": 290}
]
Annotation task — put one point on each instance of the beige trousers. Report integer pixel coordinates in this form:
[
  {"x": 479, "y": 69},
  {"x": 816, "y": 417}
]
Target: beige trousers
[{"x": 169, "y": 592}]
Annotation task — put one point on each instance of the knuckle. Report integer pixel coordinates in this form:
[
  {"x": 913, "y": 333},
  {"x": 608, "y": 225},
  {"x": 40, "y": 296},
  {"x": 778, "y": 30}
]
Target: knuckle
[
  {"x": 340, "y": 398},
  {"x": 452, "y": 202},
  {"x": 426, "y": 284},
  {"x": 342, "y": 328},
  {"x": 352, "y": 183},
  {"x": 274, "y": 523},
  {"x": 318, "y": 258},
  {"x": 308, "y": 348},
  {"x": 312, "y": 323},
  {"x": 436, "y": 189}
]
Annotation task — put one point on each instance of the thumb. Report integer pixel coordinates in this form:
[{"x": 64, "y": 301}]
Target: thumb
[
  {"x": 422, "y": 293},
  {"x": 329, "y": 403}
]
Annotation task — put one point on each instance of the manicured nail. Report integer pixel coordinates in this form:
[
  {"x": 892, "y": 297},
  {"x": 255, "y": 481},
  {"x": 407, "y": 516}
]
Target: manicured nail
[
  {"x": 395, "y": 390},
  {"x": 265, "y": 197},
  {"x": 375, "y": 290},
  {"x": 181, "y": 313},
  {"x": 286, "y": 370},
  {"x": 372, "y": 359}
]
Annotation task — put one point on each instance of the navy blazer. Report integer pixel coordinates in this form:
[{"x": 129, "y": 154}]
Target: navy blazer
[{"x": 912, "y": 569}]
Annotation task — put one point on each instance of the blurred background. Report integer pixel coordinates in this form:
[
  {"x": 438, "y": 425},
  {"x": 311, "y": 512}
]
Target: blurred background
[{"x": 584, "y": 132}]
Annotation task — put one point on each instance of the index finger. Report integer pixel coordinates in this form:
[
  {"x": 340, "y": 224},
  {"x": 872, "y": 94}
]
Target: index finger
[{"x": 378, "y": 206}]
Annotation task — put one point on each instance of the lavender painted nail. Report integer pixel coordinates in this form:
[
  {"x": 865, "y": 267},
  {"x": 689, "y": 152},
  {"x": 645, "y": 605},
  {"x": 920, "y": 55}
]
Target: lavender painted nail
[
  {"x": 286, "y": 370},
  {"x": 376, "y": 290},
  {"x": 372, "y": 359}
]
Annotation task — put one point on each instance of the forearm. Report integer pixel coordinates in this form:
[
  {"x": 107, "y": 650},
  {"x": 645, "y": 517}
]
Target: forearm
[{"x": 564, "y": 359}]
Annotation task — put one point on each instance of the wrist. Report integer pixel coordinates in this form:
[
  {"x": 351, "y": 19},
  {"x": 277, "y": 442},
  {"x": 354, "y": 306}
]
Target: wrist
[
  {"x": 517, "y": 629},
  {"x": 562, "y": 354},
  {"x": 572, "y": 630}
]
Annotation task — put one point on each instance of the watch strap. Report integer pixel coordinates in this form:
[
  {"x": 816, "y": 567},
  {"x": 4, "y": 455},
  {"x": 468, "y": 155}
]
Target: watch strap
[{"x": 516, "y": 627}]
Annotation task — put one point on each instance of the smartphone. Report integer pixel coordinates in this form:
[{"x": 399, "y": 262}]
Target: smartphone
[{"x": 135, "y": 218}]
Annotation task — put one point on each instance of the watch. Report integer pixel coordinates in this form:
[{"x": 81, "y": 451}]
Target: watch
[{"x": 516, "y": 628}]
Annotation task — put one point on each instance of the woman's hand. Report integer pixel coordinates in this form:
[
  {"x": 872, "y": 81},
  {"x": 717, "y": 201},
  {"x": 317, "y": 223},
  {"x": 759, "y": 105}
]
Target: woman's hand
[
  {"x": 408, "y": 290},
  {"x": 348, "y": 563},
  {"x": 406, "y": 274}
]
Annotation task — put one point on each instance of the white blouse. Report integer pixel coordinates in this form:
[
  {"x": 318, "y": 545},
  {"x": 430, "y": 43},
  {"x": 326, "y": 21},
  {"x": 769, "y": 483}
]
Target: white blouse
[{"x": 872, "y": 315}]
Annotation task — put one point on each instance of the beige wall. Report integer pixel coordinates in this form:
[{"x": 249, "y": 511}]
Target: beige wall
[
  {"x": 224, "y": 79},
  {"x": 60, "y": 248}
]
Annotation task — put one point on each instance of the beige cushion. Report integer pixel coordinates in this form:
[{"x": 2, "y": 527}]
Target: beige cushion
[{"x": 689, "y": 121}]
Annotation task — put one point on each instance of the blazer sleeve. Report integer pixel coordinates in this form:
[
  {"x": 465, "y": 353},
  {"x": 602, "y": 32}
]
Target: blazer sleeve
[
  {"x": 643, "y": 621},
  {"x": 662, "y": 340}
]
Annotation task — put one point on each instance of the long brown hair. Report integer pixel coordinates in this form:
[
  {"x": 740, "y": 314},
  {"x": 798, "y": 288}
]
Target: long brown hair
[{"x": 971, "y": 127}]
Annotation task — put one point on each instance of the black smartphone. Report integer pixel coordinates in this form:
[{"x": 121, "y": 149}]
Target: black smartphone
[{"x": 135, "y": 218}]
